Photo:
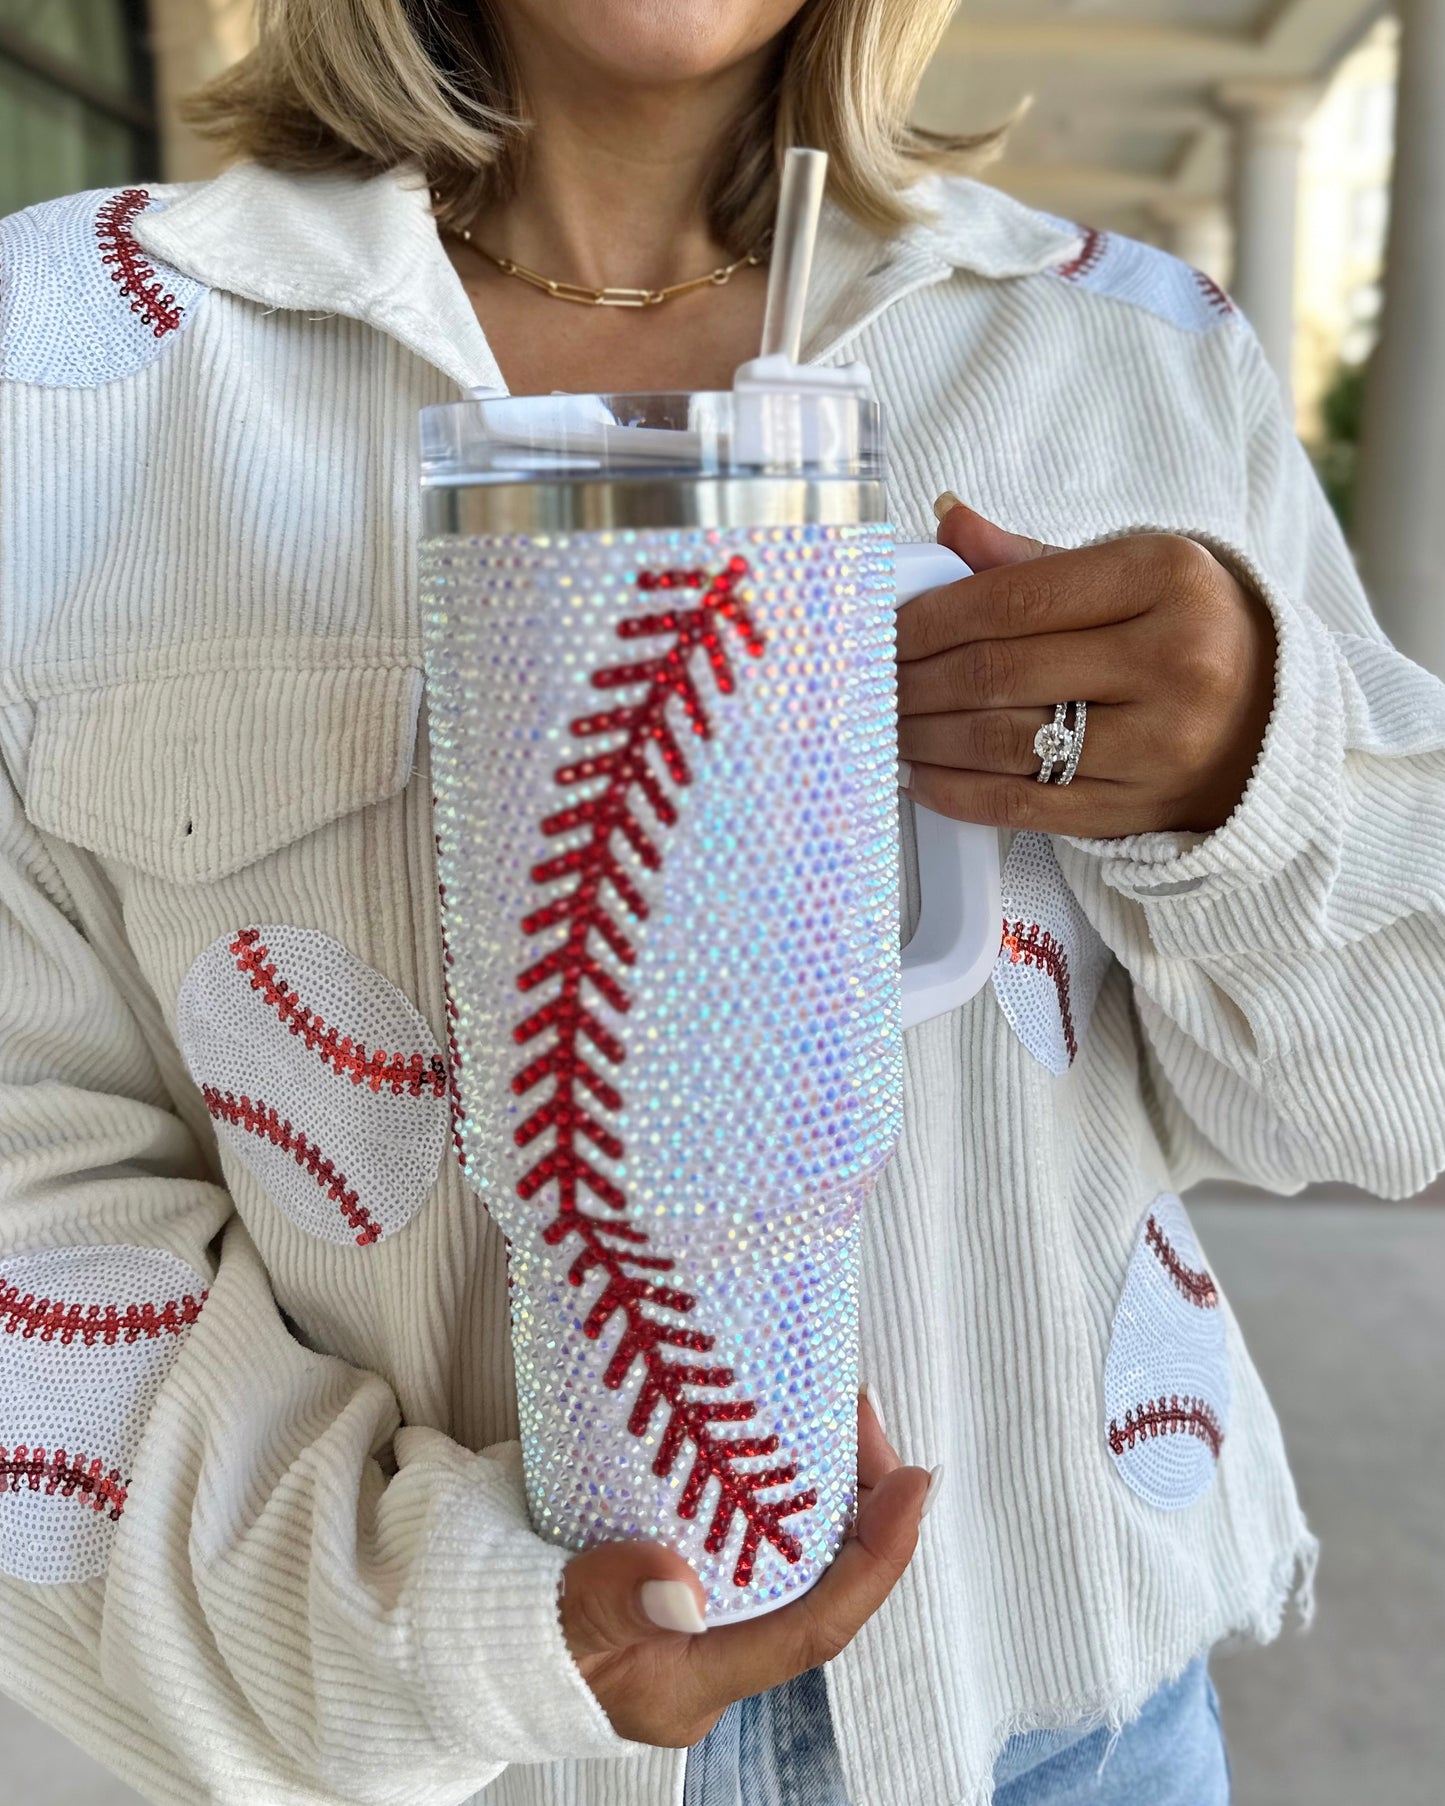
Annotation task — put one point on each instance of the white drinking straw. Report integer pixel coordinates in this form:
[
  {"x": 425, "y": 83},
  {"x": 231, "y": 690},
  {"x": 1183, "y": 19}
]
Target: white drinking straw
[{"x": 790, "y": 263}]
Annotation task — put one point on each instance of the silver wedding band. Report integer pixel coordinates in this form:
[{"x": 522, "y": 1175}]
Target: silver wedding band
[{"x": 1060, "y": 743}]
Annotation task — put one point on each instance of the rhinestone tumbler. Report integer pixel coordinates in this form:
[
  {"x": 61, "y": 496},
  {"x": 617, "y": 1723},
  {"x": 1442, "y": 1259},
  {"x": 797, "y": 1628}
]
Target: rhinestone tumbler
[{"x": 659, "y": 648}]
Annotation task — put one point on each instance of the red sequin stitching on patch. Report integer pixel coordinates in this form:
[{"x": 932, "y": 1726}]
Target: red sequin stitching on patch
[
  {"x": 52, "y": 1319},
  {"x": 65, "y": 1474},
  {"x": 1213, "y": 293},
  {"x": 1092, "y": 251},
  {"x": 588, "y": 907},
  {"x": 133, "y": 273},
  {"x": 1172, "y": 1416},
  {"x": 1194, "y": 1284},
  {"x": 259, "y": 1118},
  {"x": 408, "y": 1073},
  {"x": 1031, "y": 945}
]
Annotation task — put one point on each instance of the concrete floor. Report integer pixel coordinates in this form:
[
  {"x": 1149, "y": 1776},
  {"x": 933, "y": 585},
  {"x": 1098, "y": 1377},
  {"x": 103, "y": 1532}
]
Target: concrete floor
[{"x": 1342, "y": 1305}]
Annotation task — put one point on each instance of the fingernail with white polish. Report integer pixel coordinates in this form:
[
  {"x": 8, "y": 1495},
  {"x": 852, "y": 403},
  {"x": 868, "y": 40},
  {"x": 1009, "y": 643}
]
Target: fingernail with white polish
[
  {"x": 672, "y": 1605},
  {"x": 872, "y": 1398},
  {"x": 930, "y": 1498},
  {"x": 947, "y": 501},
  {"x": 905, "y": 774}
]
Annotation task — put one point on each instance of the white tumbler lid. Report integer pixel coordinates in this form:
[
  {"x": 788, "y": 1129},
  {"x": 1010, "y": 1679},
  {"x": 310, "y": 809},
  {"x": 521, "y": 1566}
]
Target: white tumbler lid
[{"x": 724, "y": 433}]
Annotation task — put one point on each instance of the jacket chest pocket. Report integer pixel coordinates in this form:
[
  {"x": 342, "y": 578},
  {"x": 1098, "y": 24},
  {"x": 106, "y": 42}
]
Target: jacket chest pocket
[{"x": 190, "y": 779}]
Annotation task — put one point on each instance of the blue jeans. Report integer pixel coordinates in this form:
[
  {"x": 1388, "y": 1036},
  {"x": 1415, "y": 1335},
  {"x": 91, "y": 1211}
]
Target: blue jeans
[{"x": 777, "y": 1749}]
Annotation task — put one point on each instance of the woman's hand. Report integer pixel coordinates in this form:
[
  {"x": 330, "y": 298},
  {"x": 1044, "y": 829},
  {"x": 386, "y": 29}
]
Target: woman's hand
[
  {"x": 669, "y": 1687},
  {"x": 1174, "y": 657}
]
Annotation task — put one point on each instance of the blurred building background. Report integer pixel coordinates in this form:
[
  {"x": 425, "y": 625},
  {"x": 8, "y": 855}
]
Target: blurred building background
[
  {"x": 1255, "y": 141},
  {"x": 1295, "y": 150}
]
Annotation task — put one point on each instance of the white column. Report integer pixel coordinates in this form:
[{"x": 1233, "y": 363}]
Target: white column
[
  {"x": 1270, "y": 119},
  {"x": 1198, "y": 231},
  {"x": 1400, "y": 509}
]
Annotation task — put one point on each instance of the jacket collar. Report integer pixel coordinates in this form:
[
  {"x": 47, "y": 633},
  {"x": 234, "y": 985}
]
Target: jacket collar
[{"x": 369, "y": 248}]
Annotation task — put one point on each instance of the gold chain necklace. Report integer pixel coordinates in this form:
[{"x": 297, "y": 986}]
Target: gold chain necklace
[{"x": 610, "y": 297}]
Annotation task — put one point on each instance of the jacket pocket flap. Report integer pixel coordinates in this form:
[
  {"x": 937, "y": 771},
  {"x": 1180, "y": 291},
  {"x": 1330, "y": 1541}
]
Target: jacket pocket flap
[{"x": 191, "y": 778}]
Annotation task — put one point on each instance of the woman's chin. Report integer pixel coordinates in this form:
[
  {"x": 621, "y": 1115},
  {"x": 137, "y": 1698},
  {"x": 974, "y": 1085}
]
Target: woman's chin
[{"x": 656, "y": 43}]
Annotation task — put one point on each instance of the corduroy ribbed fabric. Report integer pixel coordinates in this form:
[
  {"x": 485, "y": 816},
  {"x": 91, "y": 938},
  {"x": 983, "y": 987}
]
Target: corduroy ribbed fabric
[{"x": 323, "y": 1586}]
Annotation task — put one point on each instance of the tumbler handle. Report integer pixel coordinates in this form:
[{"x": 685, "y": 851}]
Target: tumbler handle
[{"x": 954, "y": 947}]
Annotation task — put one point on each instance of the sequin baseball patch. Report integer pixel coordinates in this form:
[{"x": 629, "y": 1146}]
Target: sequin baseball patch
[
  {"x": 1148, "y": 278},
  {"x": 320, "y": 1075},
  {"x": 1051, "y": 960},
  {"x": 1166, "y": 1379},
  {"x": 87, "y": 1335},
  {"x": 81, "y": 303}
]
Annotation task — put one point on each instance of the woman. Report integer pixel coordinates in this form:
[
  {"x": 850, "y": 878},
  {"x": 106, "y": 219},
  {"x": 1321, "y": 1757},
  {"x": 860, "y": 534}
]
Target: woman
[{"x": 266, "y": 1539}]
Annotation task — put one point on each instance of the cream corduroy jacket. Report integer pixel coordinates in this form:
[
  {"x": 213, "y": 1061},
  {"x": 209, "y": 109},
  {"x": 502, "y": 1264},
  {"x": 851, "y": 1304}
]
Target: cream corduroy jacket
[{"x": 262, "y": 1531}]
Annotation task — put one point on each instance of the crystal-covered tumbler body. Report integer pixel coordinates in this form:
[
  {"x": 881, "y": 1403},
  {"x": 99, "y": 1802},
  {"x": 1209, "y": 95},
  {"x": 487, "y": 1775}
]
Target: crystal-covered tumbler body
[{"x": 663, "y": 757}]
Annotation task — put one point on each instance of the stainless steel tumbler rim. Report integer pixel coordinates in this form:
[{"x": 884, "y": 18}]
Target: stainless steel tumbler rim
[{"x": 491, "y": 508}]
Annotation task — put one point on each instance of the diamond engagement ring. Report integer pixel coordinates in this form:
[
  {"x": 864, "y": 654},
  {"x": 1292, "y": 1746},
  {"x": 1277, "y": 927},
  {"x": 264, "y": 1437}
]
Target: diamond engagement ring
[{"x": 1059, "y": 742}]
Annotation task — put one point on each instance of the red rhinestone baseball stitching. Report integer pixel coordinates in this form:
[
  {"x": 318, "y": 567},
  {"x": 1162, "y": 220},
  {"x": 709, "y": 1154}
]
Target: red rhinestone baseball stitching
[
  {"x": 258, "y": 1118},
  {"x": 408, "y": 1074},
  {"x": 1026, "y": 943},
  {"x": 53, "y": 1320},
  {"x": 1194, "y": 1284},
  {"x": 1173, "y": 1416},
  {"x": 599, "y": 892},
  {"x": 65, "y": 1474},
  {"x": 131, "y": 270}
]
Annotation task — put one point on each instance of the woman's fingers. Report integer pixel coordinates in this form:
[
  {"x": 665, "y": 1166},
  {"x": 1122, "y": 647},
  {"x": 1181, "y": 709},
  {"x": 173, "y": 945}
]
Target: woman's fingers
[
  {"x": 982, "y": 544},
  {"x": 1150, "y": 625},
  {"x": 621, "y": 1594},
  {"x": 876, "y": 1454},
  {"x": 1060, "y": 593},
  {"x": 1091, "y": 807},
  {"x": 741, "y": 1659},
  {"x": 1099, "y": 664},
  {"x": 1002, "y": 740}
]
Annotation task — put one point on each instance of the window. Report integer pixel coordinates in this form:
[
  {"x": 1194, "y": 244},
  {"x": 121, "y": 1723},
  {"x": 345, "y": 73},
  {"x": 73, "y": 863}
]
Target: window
[{"x": 75, "y": 98}]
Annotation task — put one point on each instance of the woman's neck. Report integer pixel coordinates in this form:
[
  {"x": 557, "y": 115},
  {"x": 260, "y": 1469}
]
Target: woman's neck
[{"x": 613, "y": 180}]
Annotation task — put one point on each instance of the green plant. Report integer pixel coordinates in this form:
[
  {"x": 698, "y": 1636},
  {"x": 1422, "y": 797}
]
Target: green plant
[{"x": 1337, "y": 454}]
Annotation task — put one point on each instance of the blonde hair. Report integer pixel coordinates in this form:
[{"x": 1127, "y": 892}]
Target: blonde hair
[{"x": 366, "y": 85}]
